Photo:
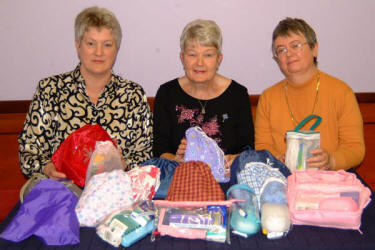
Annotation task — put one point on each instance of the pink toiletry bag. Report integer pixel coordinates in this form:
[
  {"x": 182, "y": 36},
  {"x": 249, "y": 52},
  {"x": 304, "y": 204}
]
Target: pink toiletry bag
[{"x": 326, "y": 198}]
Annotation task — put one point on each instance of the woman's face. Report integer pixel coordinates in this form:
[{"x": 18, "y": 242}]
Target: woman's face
[
  {"x": 97, "y": 51},
  {"x": 200, "y": 62},
  {"x": 298, "y": 57}
]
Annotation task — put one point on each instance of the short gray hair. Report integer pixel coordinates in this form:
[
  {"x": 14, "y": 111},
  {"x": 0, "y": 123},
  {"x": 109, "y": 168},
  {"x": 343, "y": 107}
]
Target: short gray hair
[{"x": 204, "y": 32}]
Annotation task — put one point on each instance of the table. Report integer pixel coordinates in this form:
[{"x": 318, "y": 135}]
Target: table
[{"x": 300, "y": 237}]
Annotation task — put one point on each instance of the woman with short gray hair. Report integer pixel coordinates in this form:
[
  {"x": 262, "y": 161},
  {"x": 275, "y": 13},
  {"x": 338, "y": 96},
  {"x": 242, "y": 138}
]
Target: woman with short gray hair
[{"x": 202, "y": 97}]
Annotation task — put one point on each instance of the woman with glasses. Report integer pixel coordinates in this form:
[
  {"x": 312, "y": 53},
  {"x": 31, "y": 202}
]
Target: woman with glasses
[{"x": 307, "y": 90}]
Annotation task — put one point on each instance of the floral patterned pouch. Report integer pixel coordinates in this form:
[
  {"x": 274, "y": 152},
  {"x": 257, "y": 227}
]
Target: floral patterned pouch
[{"x": 200, "y": 147}]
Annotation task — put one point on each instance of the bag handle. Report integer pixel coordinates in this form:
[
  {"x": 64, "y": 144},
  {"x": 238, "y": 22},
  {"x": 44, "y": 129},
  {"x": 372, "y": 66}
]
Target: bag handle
[{"x": 304, "y": 121}]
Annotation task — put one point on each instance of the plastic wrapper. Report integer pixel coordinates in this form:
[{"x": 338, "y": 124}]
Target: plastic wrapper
[
  {"x": 299, "y": 146},
  {"x": 244, "y": 217},
  {"x": 128, "y": 225},
  {"x": 105, "y": 158},
  {"x": 275, "y": 217},
  {"x": 193, "y": 220}
]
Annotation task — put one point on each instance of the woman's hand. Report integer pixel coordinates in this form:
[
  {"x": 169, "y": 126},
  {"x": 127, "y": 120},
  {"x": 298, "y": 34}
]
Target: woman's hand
[
  {"x": 50, "y": 170},
  {"x": 321, "y": 159},
  {"x": 281, "y": 158},
  {"x": 228, "y": 162},
  {"x": 180, "y": 153},
  {"x": 123, "y": 162},
  {"x": 229, "y": 159}
]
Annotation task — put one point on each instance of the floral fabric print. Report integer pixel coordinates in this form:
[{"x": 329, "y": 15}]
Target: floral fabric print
[{"x": 194, "y": 117}]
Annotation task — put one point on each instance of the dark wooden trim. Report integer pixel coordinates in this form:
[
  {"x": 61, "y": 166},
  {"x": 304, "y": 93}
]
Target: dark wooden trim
[
  {"x": 365, "y": 97},
  {"x": 21, "y": 106}
]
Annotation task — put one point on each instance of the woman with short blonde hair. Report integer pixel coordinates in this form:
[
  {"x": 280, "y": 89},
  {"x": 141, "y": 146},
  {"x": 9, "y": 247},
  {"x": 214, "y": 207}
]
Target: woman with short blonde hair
[{"x": 90, "y": 94}]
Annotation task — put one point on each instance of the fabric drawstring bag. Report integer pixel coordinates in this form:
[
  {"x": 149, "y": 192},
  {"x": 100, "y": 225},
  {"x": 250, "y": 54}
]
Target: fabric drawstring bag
[
  {"x": 104, "y": 194},
  {"x": 72, "y": 157},
  {"x": 250, "y": 155},
  {"x": 193, "y": 181},
  {"x": 200, "y": 147},
  {"x": 299, "y": 143},
  {"x": 48, "y": 213},
  {"x": 37, "y": 177},
  {"x": 145, "y": 181},
  {"x": 167, "y": 169}
]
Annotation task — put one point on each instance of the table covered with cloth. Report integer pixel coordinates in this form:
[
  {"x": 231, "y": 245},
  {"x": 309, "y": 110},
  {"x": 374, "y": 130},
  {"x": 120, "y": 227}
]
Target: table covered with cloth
[{"x": 300, "y": 237}]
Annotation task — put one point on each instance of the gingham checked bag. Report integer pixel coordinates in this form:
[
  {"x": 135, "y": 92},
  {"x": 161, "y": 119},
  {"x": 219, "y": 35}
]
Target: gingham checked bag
[{"x": 193, "y": 181}]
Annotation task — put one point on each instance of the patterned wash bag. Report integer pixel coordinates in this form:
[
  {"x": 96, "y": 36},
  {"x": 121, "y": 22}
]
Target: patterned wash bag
[{"x": 200, "y": 147}]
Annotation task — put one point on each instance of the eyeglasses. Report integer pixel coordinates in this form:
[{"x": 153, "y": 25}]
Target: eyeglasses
[{"x": 294, "y": 46}]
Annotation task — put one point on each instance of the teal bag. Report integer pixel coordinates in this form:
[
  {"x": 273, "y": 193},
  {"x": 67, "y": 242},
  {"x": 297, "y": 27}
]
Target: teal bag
[
  {"x": 244, "y": 216},
  {"x": 299, "y": 143}
]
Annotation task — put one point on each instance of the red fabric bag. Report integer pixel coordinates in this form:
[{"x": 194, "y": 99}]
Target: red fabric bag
[
  {"x": 193, "y": 181},
  {"x": 73, "y": 155}
]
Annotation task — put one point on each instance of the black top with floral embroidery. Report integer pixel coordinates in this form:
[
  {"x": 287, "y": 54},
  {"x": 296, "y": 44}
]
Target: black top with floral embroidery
[
  {"x": 227, "y": 118},
  {"x": 60, "y": 106}
]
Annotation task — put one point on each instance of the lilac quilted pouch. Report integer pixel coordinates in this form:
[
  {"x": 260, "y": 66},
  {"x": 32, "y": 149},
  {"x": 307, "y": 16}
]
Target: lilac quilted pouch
[{"x": 200, "y": 147}]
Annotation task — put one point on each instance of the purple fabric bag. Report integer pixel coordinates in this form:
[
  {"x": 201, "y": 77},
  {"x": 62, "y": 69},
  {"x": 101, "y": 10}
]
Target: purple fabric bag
[
  {"x": 200, "y": 147},
  {"x": 48, "y": 213}
]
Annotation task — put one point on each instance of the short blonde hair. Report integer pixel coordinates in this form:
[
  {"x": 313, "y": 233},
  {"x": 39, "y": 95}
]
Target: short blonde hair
[
  {"x": 204, "y": 32},
  {"x": 97, "y": 17}
]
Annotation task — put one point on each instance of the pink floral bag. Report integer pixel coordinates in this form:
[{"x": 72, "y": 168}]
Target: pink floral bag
[
  {"x": 326, "y": 198},
  {"x": 145, "y": 182}
]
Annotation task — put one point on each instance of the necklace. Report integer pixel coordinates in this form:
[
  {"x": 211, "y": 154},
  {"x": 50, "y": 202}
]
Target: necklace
[
  {"x": 203, "y": 110},
  {"x": 315, "y": 101}
]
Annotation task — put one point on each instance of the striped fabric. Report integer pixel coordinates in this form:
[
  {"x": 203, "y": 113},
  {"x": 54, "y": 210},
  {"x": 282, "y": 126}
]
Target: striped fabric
[{"x": 193, "y": 181}]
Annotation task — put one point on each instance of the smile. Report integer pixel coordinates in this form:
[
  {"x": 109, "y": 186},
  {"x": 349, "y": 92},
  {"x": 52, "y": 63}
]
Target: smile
[{"x": 291, "y": 62}]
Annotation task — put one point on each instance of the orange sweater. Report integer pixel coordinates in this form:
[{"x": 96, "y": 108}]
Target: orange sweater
[{"x": 341, "y": 128}]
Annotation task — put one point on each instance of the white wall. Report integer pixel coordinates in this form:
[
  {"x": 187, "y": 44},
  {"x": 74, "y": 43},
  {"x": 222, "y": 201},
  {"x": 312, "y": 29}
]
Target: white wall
[{"x": 37, "y": 39}]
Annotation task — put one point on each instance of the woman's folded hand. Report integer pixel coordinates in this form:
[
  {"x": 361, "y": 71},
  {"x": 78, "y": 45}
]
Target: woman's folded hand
[{"x": 50, "y": 170}]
